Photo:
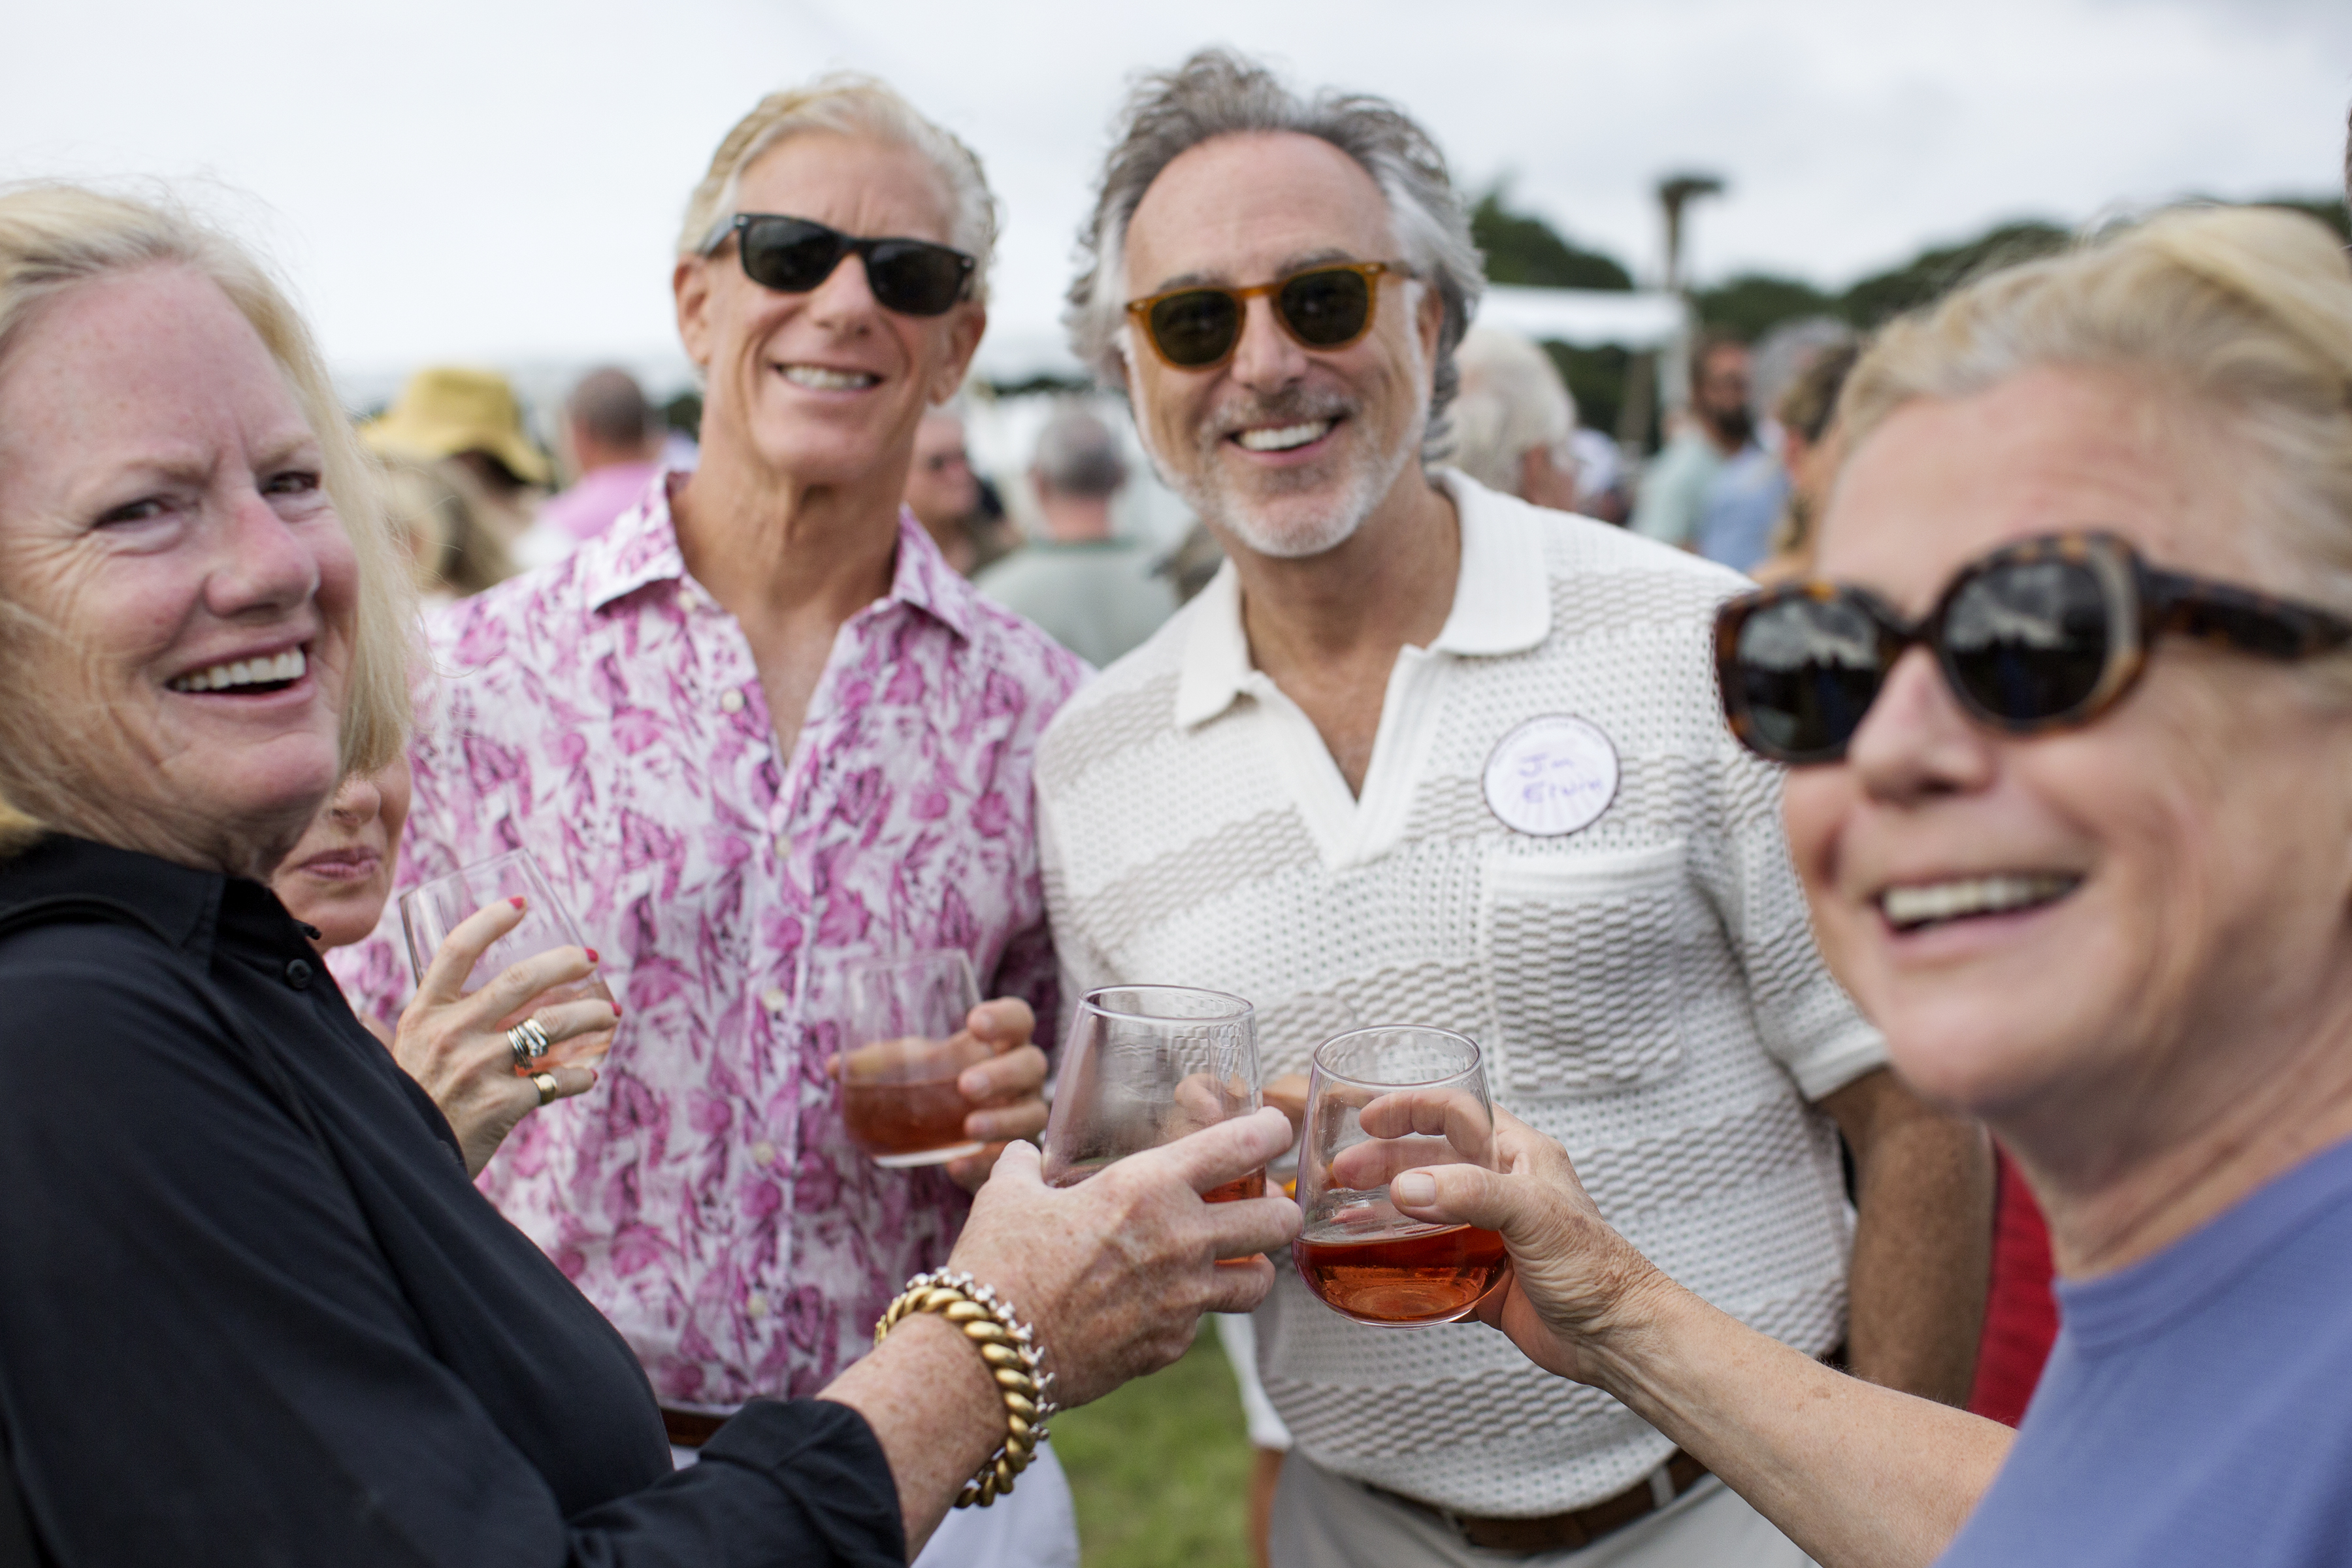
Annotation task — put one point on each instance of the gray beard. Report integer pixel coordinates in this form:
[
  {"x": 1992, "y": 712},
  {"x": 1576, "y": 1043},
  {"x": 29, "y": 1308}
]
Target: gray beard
[{"x": 1292, "y": 538}]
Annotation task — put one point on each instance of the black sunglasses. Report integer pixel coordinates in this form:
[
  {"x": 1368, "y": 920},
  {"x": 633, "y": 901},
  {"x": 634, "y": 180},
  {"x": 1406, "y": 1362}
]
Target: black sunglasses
[
  {"x": 793, "y": 256},
  {"x": 2036, "y": 635},
  {"x": 1322, "y": 308}
]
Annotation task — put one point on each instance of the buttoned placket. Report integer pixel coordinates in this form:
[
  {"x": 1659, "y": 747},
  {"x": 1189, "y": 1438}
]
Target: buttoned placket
[{"x": 781, "y": 1009}]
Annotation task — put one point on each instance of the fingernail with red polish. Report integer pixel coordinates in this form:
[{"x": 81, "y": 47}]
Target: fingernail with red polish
[
  {"x": 617, "y": 1012},
  {"x": 516, "y": 901},
  {"x": 592, "y": 955}
]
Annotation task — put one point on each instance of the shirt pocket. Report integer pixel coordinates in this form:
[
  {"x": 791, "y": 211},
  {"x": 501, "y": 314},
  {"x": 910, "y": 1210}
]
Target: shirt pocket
[{"x": 1582, "y": 953}]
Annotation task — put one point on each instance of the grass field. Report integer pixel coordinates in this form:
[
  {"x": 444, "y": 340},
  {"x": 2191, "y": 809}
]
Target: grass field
[{"x": 1159, "y": 1469}]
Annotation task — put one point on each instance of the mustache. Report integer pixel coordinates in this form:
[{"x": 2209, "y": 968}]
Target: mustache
[{"x": 1292, "y": 406}]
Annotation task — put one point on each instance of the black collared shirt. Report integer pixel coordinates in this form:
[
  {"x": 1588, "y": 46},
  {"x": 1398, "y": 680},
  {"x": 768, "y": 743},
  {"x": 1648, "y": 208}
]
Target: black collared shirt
[{"x": 252, "y": 1311}]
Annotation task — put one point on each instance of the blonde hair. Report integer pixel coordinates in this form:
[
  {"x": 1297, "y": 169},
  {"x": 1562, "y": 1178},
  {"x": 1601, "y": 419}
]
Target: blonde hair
[
  {"x": 845, "y": 103},
  {"x": 2245, "y": 311},
  {"x": 54, "y": 238}
]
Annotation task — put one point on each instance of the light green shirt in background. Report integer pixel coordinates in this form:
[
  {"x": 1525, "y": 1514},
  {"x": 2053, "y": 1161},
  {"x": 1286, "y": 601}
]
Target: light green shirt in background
[{"x": 1098, "y": 598}]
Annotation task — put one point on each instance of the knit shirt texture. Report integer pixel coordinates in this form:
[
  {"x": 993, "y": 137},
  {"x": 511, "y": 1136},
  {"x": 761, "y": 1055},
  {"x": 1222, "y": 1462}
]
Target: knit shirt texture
[{"x": 1646, "y": 989}]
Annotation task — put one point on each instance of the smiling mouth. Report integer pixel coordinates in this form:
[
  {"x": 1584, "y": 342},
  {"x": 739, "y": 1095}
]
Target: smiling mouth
[
  {"x": 817, "y": 378},
  {"x": 1937, "y": 903},
  {"x": 251, "y": 676},
  {"x": 1283, "y": 438}
]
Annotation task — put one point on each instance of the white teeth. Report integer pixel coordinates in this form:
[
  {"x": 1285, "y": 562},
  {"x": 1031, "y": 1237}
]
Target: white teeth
[
  {"x": 1917, "y": 906},
  {"x": 286, "y": 665},
  {"x": 823, "y": 379},
  {"x": 1286, "y": 436}
]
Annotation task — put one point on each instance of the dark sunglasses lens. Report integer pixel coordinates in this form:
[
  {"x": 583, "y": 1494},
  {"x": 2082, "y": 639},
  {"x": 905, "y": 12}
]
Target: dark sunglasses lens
[
  {"x": 2027, "y": 641},
  {"x": 1195, "y": 328},
  {"x": 1805, "y": 671},
  {"x": 788, "y": 255},
  {"x": 915, "y": 277},
  {"x": 1326, "y": 309}
]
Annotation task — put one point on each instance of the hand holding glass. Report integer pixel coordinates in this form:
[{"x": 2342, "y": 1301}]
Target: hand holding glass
[
  {"x": 431, "y": 909},
  {"x": 1144, "y": 1066},
  {"x": 907, "y": 1020},
  {"x": 1379, "y": 1101}
]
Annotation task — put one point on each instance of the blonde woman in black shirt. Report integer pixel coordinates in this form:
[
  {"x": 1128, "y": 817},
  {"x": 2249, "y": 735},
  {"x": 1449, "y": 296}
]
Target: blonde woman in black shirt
[{"x": 251, "y": 1308}]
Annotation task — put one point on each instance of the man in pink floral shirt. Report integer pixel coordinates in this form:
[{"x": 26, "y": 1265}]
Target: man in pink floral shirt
[
  {"x": 607, "y": 715},
  {"x": 758, "y": 730}
]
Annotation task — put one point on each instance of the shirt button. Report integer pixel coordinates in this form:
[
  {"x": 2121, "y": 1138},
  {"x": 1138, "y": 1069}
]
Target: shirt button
[
  {"x": 755, "y": 1305},
  {"x": 763, "y": 1152},
  {"x": 731, "y": 701},
  {"x": 773, "y": 999},
  {"x": 299, "y": 973},
  {"x": 784, "y": 846}
]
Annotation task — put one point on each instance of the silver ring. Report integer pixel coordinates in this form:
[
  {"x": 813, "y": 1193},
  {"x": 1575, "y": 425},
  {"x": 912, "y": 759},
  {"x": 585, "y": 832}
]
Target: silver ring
[
  {"x": 545, "y": 1083},
  {"x": 529, "y": 1042}
]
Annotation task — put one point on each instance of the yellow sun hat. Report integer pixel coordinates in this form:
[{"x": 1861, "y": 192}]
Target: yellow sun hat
[{"x": 448, "y": 409}]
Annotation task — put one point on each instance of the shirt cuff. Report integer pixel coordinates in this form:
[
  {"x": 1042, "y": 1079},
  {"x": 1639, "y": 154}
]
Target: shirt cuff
[
  {"x": 1838, "y": 1062},
  {"x": 826, "y": 1458}
]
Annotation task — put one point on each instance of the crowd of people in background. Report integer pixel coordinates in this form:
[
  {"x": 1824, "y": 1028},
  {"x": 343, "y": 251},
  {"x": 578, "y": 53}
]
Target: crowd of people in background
[{"x": 807, "y": 689}]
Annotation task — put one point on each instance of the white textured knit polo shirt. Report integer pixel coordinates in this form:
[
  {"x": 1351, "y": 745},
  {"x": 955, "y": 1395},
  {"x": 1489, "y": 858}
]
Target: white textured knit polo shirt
[{"x": 1644, "y": 986}]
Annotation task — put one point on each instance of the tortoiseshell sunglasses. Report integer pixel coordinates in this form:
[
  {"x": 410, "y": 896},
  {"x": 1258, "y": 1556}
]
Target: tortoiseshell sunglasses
[{"x": 2039, "y": 634}]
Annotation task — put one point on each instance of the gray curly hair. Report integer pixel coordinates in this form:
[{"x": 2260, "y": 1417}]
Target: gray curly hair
[{"x": 1218, "y": 92}]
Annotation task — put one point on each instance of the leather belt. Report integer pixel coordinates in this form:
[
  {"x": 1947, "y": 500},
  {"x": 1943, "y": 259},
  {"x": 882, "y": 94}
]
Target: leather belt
[
  {"x": 1576, "y": 1527},
  {"x": 690, "y": 1428}
]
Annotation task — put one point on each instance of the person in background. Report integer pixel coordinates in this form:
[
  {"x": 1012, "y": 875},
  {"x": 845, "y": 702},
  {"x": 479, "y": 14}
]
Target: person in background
[
  {"x": 1600, "y": 476},
  {"x": 1810, "y": 452},
  {"x": 761, "y": 731},
  {"x": 2077, "y": 832},
  {"x": 1093, "y": 591},
  {"x": 471, "y": 420},
  {"x": 613, "y": 439},
  {"x": 1513, "y": 420},
  {"x": 1717, "y": 428},
  {"x": 1307, "y": 789},
  {"x": 337, "y": 880},
  {"x": 434, "y": 509},
  {"x": 942, "y": 491}
]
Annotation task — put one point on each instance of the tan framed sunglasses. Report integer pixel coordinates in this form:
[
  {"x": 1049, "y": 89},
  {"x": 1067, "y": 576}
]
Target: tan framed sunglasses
[{"x": 1326, "y": 306}]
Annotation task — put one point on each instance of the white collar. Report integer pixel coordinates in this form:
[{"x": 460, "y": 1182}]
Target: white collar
[{"x": 1502, "y": 602}]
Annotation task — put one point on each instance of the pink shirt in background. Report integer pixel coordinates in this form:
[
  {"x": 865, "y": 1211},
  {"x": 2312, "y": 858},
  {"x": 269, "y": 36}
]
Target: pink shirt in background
[
  {"x": 607, "y": 713},
  {"x": 593, "y": 505}
]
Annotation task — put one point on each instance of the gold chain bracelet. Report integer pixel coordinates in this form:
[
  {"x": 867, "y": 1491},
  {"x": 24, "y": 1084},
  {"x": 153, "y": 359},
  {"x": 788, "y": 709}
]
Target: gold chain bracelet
[{"x": 1014, "y": 1360}]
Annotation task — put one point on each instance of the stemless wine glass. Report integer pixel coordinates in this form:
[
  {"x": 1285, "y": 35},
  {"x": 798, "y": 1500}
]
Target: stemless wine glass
[
  {"x": 907, "y": 1021},
  {"x": 429, "y": 910},
  {"x": 1144, "y": 1065},
  {"x": 1379, "y": 1101}
]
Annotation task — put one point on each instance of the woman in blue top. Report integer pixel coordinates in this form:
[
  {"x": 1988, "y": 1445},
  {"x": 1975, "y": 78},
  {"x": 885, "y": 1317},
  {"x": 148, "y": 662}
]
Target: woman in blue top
[{"x": 2069, "y": 716}]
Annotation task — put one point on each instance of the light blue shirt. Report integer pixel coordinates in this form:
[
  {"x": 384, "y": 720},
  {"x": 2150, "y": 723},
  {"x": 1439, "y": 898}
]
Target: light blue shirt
[{"x": 2197, "y": 1410}]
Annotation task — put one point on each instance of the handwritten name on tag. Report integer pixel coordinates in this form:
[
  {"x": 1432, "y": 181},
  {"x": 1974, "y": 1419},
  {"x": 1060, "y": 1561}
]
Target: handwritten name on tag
[{"x": 1552, "y": 776}]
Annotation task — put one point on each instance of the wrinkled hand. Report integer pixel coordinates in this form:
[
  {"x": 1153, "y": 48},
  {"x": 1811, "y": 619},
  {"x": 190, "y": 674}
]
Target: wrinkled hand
[
  {"x": 1009, "y": 1088},
  {"x": 1115, "y": 1272},
  {"x": 1578, "y": 1287},
  {"x": 455, "y": 1046}
]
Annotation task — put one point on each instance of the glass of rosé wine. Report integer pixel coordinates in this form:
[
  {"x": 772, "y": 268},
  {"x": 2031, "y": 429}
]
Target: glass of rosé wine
[
  {"x": 909, "y": 1044},
  {"x": 1144, "y": 1065},
  {"x": 431, "y": 909},
  {"x": 1379, "y": 1101}
]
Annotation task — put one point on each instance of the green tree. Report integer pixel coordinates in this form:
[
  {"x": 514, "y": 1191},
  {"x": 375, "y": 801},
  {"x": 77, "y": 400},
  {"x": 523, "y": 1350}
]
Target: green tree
[
  {"x": 1522, "y": 249},
  {"x": 1934, "y": 273},
  {"x": 1755, "y": 303}
]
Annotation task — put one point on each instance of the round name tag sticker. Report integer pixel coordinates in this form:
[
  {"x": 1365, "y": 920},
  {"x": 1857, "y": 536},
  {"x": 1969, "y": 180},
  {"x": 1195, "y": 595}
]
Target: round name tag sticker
[{"x": 1552, "y": 776}]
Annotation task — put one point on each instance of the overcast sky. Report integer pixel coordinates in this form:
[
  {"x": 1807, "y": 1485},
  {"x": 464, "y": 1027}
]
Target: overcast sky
[{"x": 492, "y": 181}]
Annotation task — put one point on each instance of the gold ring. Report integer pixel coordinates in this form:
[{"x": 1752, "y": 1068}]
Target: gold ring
[{"x": 545, "y": 1083}]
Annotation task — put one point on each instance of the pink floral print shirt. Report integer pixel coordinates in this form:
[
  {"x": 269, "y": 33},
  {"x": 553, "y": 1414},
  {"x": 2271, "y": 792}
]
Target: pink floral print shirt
[{"x": 607, "y": 714}]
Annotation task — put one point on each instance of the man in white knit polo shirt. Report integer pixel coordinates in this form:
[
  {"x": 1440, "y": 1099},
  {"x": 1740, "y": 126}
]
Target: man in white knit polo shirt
[{"x": 1424, "y": 754}]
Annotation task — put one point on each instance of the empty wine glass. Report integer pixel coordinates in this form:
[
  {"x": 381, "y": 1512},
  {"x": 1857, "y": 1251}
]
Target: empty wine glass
[
  {"x": 909, "y": 1043},
  {"x": 1379, "y": 1101},
  {"x": 431, "y": 909},
  {"x": 1144, "y": 1065}
]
